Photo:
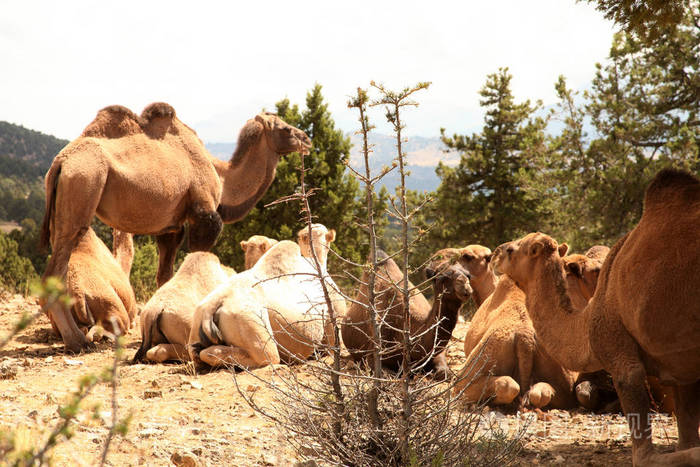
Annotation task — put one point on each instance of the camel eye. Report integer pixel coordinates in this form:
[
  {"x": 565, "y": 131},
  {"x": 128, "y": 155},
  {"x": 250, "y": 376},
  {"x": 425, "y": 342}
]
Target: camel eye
[
  {"x": 509, "y": 250},
  {"x": 467, "y": 257}
]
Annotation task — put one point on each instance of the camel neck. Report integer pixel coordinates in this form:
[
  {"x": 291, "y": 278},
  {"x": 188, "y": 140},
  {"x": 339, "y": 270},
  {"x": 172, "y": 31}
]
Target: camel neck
[
  {"x": 246, "y": 180},
  {"x": 445, "y": 310},
  {"x": 483, "y": 287},
  {"x": 562, "y": 330}
]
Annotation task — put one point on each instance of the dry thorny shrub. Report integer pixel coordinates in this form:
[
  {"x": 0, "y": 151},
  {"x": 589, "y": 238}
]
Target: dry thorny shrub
[{"x": 333, "y": 411}]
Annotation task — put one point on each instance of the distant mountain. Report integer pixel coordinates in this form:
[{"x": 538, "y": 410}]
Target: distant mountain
[
  {"x": 25, "y": 156},
  {"x": 423, "y": 157},
  {"x": 31, "y": 147}
]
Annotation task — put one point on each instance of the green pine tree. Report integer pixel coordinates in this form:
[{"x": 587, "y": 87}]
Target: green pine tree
[{"x": 485, "y": 199}]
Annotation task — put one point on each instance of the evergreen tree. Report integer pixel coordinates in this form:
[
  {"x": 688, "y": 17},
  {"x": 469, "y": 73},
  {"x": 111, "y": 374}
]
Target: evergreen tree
[
  {"x": 485, "y": 199},
  {"x": 644, "y": 110},
  {"x": 336, "y": 204}
]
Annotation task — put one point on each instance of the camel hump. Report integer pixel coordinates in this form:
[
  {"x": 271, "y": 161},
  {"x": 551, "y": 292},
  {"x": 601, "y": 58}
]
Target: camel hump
[
  {"x": 115, "y": 121},
  {"x": 158, "y": 110},
  {"x": 672, "y": 184}
]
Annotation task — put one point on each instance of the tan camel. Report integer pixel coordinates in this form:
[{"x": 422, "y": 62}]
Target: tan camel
[
  {"x": 151, "y": 174},
  {"x": 166, "y": 320},
  {"x": 644, "y": 318},
  {"x": 255, "y": 247},
  {"x": 102, "y": 295},
  {"x": 426, "y": 321},
  {"x": 476, "y": 260},
  {"x": 274, "y": 312}
]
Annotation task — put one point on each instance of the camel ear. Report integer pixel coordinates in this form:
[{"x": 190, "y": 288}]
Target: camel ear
[
  {"x": 244, "y": 245},
  {"x": 574, "y": 268},
  {"x": 563, "y": 249},
  {"x": 330, "y": 236}
]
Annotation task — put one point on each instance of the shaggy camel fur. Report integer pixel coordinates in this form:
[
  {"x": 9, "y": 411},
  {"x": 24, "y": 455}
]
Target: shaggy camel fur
[
  {"x": 427, "y": 354},
  {"x": 101, "y": 291},
  {"x": 274, "y": 312},
  {"x": 255, "y": 247},
  {"x": 166, "y": 319},
  {"x": 151, "y": 174},
  {"x": 644, "y": 318}
]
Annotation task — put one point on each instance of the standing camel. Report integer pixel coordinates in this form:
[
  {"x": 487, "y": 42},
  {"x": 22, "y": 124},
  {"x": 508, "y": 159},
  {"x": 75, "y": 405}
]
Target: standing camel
[
  {"x": 151, "y": 174},
  {"x": 644, "y": 318}
]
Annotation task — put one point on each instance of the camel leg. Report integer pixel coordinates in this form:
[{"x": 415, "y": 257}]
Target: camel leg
[
  {"x": 525, "y": 356},
  {"x": 225, "y": 355},
  {"x": 167, "y": 249},
  {"x": 164, "y": 352},
  {"x": 123, "y": 249},
  {"x": 687, "y": 399},
  {"x": 73, "y": 338}
]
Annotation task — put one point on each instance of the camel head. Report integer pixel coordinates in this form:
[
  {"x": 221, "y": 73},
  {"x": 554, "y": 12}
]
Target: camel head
[
  {"x": 520, "y": 258},
  {"x": 281, "y": 137},
  {"x": 322, "y": 238},
  {"x": 451, "y": 279},
  {"x": 581, "y": 276},
  {"x": 255, "y": 247}
]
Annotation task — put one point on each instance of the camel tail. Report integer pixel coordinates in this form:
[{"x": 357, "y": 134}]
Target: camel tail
[
  {"x": 209, "y": 332},
  {"x": 150, "y": 335},
  {"x": 51, "y": 185}
]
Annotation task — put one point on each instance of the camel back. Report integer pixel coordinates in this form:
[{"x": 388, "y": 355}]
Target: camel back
[{"x": 117, "y": 121}]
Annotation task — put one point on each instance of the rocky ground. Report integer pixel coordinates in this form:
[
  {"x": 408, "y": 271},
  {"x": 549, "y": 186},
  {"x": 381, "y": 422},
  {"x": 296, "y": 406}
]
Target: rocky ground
[{"x": 181, "y": 418}]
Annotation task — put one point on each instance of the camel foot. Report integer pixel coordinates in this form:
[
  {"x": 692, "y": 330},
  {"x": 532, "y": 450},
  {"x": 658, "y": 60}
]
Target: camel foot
[{"x": 540, "y": 395}]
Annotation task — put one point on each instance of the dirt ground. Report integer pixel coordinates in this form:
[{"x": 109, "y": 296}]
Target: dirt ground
[{"x": 177, "y": 414}]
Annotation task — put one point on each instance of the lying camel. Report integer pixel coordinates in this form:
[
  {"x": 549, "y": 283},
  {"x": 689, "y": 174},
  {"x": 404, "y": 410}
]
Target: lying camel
[
  {"x": 434, "y": 324},
  {"x": 255, "y": 247},
  {"x": 102, "y": 295},
  {"x": 151, "y": 174},
  {"x": 274, "y": 312},
  {"x": 643, "y": 318},
  {"x": 166, "y": 319}
]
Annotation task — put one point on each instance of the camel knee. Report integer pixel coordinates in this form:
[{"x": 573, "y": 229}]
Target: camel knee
[
  {"x": 205, "y": 228},
  {"x": 505, "y": 390},
  {"x": 540, "y": 395}
]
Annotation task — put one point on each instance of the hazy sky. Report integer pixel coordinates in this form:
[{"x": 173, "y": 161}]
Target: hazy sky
[{"x": 219, "y": 63}]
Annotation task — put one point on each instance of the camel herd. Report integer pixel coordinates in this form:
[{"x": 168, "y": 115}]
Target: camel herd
[{"x": 550, "y": 330}]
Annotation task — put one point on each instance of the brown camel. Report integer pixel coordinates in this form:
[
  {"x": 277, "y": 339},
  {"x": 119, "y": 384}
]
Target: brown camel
[
  {"x": 166, "y": 319},
  {"x": 255, "y": 247},
  {"x": 503, "y": 359},
  {"x": 476, "y": 260},
  {"x": 644, "y": 318},
  {"x": 425, "y": 321},
  {"x": 151, "y": 175},
  {"x": 103, "y": 297}
]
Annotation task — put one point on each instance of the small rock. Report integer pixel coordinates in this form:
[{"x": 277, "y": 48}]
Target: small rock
[
  {"x": 155, "y": 384},
  {"x": 184, "y": 459},
  {"x": 148, "y": 432},
  {"x": 48, "y": 359},
  {"x": 252, "y": 387},
  {"x": 196, "y": 384},
  {"x": 70, "y": 361},
  {"x": 559, "y": 460},
  {"x": 33, "y": 414},
  {"x": 151, "y": 394},
  {"x": 8, "y": 369},
  {"x": 269, "y": 460}
]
